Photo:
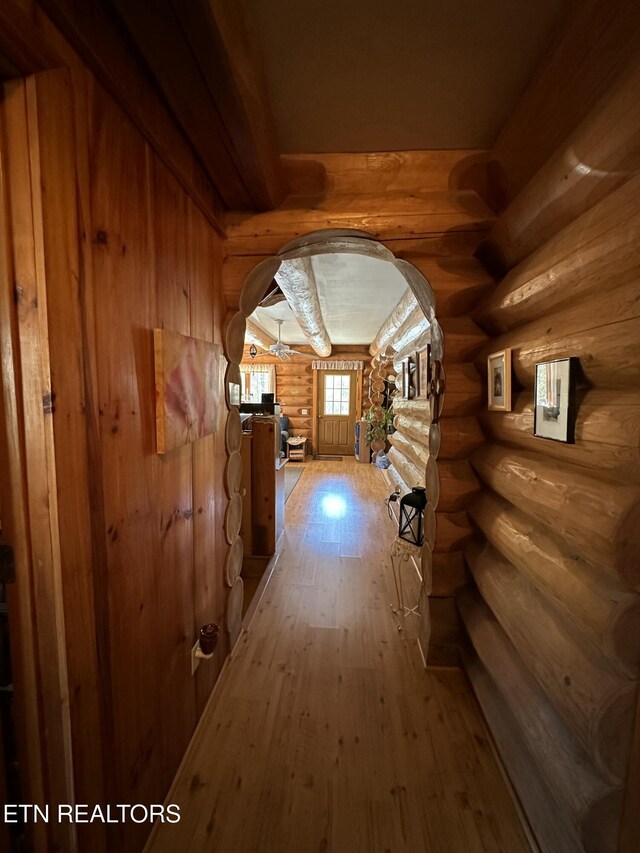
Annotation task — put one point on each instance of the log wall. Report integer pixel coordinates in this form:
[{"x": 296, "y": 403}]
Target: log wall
[
  {"x": 554, "y": 622},
  {"x": 457, "y": 283},
  {"x": 294, "y": 385},
  {"x": 417, "y": 228}
]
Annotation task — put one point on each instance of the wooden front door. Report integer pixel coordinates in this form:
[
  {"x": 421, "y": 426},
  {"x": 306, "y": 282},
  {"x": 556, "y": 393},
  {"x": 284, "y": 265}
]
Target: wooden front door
[{"x": 336, "y": 411}]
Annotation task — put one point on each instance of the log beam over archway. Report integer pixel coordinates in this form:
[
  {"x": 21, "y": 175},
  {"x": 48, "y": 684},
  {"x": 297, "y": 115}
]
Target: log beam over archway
[
  {"x": 412, "y": 334},
  {"x": 298, "y": 283},
  {"x": 387, "y": 331},
  {"x": 255, "y": 334}
]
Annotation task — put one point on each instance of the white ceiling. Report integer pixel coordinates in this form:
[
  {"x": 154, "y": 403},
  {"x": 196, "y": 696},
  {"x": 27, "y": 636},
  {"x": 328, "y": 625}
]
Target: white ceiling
[
  {"x": 388, "y": 76},
  {"x": 356, "y": 295}
]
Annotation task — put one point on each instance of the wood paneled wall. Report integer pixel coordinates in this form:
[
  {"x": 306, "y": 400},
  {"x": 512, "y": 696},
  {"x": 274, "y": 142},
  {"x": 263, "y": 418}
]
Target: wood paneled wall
[
  {"x": 554, "y": 622},
  {"x": 294, "y": 385},
  {"x": 120, "y": 248},
  {"x": 154, "y": 264}
]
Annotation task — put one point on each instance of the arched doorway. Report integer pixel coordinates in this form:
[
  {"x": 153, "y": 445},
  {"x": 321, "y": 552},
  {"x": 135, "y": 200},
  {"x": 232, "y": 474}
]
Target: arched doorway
[{"x": 256, "y": 284}]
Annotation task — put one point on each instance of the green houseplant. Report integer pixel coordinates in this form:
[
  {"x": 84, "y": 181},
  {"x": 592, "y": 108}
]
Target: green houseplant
[{"x": 379, "y": 425}]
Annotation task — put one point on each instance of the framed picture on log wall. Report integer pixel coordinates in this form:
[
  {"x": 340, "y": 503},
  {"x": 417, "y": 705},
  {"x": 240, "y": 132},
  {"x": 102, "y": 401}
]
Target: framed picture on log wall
[
  {"x": 414, "y": 373},
  {"x": 555, "y": 400},
  {"x": 424, "y": 372},
  {"x": 409, "y": 377},
  {"x": 499, "y": 381},
  {"x": 406, "y": 379},
  {"x": 235, "y": 395}
]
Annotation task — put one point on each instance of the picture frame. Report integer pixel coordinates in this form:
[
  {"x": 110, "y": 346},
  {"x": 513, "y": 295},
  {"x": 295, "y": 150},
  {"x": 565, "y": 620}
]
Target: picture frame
[
  {"x": 408, "y": 388},
  {"x": 424, "y": 370},
  {"x": 234, "y": 393},
  {"x": 405, "y": 378},
  {"x": 414, "y": 367},
  {"x": 554, "y": 399},
  {"x": 186, "y": 389},
  {"x": 499, "y": 381}
]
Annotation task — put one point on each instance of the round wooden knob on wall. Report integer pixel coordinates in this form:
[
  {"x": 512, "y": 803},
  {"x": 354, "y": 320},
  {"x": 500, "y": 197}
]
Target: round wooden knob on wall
[
  {"x": 234, "y": 338},
  {"x": 429, "y": 527},
  {"x": 427, "y": 568},
  {"x": 233, "y": 563},
  {"x": 435, "y": 436},
  {"x": 432, "y": 482},
  {"x": 233, "y": 431},
  {"x": 233, "y": 474},
  {"x": 233, "y": 518}
]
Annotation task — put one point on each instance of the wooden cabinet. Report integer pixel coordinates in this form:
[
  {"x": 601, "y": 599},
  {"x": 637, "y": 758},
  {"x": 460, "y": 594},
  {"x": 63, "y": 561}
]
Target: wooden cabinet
[{"x": 263, "y": 484}]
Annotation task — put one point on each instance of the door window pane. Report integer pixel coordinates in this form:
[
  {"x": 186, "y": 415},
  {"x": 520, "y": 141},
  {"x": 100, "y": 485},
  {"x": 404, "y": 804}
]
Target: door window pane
[{"x": 337, "y": 394}]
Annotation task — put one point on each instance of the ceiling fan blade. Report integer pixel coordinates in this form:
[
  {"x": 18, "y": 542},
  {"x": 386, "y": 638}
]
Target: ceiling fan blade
[
  {"x": 301, "y": 354},
  {"x": 275, "y": 297},
  {"x": 285, "y": 356}
]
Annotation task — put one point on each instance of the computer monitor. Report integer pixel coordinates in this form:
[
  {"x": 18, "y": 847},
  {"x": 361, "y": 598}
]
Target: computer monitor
[{"x": 268, "y": 398}]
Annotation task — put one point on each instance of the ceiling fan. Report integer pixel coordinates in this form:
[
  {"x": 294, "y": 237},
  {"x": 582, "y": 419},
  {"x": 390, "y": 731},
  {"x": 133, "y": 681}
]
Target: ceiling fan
[
  {"x": 282, "y": 350},
  {"x": 273, "y": 297}
]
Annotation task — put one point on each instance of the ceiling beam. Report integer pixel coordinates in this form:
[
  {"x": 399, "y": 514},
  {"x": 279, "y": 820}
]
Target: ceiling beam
[
  {"x": 384, "y": 216},
  {"x": 412, "y": 335},
  {"x": 387, "y": 172},
  {"x": 255, "y": 334},
  {"x": 93, "y": 33},
  {"x": 389, "y": 329},
  {"x": 205, "y": 66},
  {"x": 298, "y": 283},
  {"x": 243, "y": 101},
  {"x": 23, "y": 48}
]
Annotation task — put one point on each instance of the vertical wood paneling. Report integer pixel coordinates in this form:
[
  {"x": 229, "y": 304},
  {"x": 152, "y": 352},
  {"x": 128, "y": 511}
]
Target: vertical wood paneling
[
  {"x": 174, "y": 583},
  {"x": 124, "y": 300},
  {"x": 23, "y": 159},
  {"x": 209, "y": 546},
  {"x": 155, "y": 264},
  {"x": 54, "y": 106},
  {"x": 106, "y": 245},
  {"x": 15, "y": 523}
]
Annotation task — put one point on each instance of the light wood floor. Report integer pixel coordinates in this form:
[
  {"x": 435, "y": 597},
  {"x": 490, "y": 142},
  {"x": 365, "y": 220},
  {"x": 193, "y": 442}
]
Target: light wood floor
[{"x": 325, "y": 732}]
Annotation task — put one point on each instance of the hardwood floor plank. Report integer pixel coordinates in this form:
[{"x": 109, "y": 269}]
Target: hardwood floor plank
[{"x": 326, "y": 733}]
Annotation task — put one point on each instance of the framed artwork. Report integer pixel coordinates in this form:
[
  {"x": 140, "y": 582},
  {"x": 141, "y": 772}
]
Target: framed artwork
[
  {"x": 406, "y": 379},
  {"x": 234, "y": 394},
  {"x": 555, "y": 400},
  {"x": 414, "y": 367},
  {"x": 424, "y": 371},
  {"x": 186, "y": 376},
  {"x": 499, "y": 381}
]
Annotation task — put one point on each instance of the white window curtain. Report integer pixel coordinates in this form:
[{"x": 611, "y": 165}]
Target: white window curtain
[
  {"x": 337, "y": 365},
  {"x": 257, "y": 379}
]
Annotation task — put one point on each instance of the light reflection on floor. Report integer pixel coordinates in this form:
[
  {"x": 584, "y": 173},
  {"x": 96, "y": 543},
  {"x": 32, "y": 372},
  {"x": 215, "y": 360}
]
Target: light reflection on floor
[{"x": 333, "y": 506}]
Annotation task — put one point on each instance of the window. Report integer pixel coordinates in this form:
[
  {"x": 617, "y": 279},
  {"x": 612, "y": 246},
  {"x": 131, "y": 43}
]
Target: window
[
  {"x": 337, "y": 394},
  {"x": 255, "y": 383}
]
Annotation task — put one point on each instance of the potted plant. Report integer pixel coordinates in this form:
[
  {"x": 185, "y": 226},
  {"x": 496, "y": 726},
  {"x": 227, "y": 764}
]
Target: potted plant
[{"x": 379, "y": 425}]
